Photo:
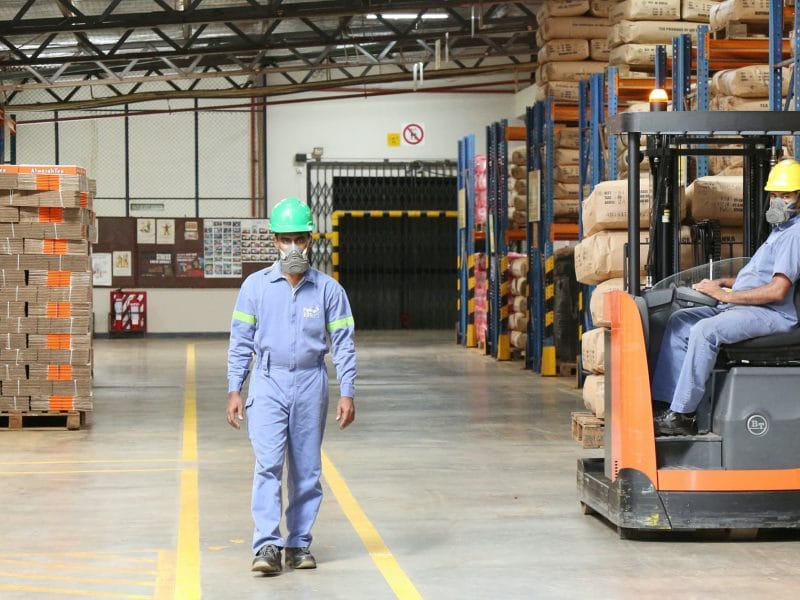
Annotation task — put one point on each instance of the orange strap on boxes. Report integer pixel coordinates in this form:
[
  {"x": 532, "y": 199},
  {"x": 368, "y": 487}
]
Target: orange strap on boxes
[
  {"x": 84, "y": 196},
  {"x": 59, "y": 341},
  {"x": 56, "y": 310},
  {"x": 59, "y": 278},
  {"x": 62, "y": 402},
  {"x": 54, "y": 214},
  {"x": 50, "y": 183},
  {"x": 59, "y": 372},
  {"x": 55, "y": 247}
]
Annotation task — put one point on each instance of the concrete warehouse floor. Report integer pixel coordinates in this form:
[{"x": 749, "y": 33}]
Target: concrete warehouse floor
[{"x": 464, "y": 469}]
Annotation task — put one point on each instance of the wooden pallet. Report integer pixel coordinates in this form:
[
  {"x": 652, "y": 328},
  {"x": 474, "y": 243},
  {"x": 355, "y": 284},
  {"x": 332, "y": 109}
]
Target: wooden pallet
[
  {"x": 567, "y": 369},
  {"x": 42, "y": 419},
  {"x": 587, "y": 430}
]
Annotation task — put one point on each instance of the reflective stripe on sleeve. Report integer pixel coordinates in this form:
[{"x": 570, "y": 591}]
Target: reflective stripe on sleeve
[
  {"x": 339, "y": 323},
  {"x": 244, "y": 317}
]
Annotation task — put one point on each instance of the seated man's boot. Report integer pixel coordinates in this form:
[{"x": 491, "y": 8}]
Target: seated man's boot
[{"x": 675, "y": 423}]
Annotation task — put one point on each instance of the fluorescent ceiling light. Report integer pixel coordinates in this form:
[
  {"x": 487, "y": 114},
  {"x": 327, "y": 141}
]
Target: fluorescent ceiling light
[{"x": 408, "y": 16}]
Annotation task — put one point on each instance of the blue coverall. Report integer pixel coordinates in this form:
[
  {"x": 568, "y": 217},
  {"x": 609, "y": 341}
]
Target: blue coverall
[
  {"x": 693, "y": 336},
  {"x": 287, "y": 402}
]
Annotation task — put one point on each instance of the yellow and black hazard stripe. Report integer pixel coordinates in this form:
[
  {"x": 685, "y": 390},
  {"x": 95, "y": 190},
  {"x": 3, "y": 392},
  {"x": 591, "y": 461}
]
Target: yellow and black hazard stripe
[
  {"x": 378, "y": 214},
  {"x": 472, "y": 334},
  {"x": 548, "y": 347},
  {"x": 503, "y": 337},
  {"x": 392, "y": 214}
]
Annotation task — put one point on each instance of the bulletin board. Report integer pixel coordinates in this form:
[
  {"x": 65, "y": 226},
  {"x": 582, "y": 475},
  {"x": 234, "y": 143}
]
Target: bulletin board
[{"x": 183, "y": 253}]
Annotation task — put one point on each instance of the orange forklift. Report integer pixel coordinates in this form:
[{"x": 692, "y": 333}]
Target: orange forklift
[{"x": 742, "y": 470}]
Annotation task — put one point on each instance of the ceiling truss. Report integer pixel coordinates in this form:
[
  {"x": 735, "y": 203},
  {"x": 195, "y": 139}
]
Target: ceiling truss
[{"x": 236, "y": 48}]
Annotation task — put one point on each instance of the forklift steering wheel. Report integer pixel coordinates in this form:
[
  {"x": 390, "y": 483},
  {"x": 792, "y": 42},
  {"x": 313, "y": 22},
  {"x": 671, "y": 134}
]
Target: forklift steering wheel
[{"x": 688, "y": 296}]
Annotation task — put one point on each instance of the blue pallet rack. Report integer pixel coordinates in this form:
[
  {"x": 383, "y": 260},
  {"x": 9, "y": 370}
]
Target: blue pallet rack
[
  {"x": 592, "y": 161},
  {"x": 534, "y": 125},
  {"x": 776, "y": 62},
  {"x": 498, "y": 236},
  {"x": 541, "y": 121},
  {"x": 466, "y": 334}
]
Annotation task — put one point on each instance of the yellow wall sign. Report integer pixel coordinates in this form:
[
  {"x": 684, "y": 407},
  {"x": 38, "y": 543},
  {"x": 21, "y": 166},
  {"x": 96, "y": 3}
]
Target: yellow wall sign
[{"x": 393, "y": 140}]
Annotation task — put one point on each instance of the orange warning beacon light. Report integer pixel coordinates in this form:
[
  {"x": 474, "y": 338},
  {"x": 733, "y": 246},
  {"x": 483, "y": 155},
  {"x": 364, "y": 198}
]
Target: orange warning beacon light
[{"x": 658, "y": 100}]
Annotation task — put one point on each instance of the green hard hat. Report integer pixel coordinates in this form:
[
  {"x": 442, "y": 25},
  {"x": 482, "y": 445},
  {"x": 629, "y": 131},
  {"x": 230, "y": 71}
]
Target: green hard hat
[{"x": 291, "y": 215}]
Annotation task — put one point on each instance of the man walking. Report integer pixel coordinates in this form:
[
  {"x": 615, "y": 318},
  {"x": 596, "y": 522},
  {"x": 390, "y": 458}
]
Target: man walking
[{"x": 283, "y": 315}]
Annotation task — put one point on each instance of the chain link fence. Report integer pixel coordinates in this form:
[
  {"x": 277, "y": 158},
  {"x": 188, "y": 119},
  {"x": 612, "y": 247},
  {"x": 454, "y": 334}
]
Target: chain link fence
[{"x": 192, "y": 161}]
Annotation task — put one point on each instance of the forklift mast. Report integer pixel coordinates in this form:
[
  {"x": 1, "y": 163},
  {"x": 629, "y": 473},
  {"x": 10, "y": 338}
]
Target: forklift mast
[{"x": 673, "y": 136}]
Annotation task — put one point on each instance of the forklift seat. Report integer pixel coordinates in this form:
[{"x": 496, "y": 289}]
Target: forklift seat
[{"x": 780, "y": 349}]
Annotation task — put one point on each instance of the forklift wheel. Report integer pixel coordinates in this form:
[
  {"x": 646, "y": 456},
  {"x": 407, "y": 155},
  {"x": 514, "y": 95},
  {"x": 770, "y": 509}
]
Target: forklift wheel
[{"x": 587, "y": 510}]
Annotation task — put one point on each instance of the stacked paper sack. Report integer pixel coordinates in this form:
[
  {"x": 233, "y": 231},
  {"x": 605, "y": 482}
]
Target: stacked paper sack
[
  {"x": 719, "y": 196},
  {"x": 572, "y": 39},
  {"x": 517, "y": 188},
  {"x": 599, "y": 261},
  {"x": 46, "y": 226},
  {"x": 740, "y": 18},
  {"x": 518, "y": 300},
  {"x": 566, "y": 174},
  {"x": 638, "y": 26}
]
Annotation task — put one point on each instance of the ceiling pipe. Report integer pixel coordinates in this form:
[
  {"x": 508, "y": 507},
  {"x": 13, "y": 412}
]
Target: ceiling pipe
[
  {"x": 269, "y": 91},
  {"x": 345, "y": 95}
]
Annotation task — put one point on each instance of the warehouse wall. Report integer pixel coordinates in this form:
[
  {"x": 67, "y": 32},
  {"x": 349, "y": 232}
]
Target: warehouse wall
[
  {"x": 356, "y": 129},
  {"x": 162, "y": 165}
]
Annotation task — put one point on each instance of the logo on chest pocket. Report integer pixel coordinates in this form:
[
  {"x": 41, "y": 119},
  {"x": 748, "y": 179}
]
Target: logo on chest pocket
[{"x": 311, "y": 312}]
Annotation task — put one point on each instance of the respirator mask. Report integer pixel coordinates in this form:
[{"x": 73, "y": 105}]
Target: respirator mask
[
  {"x": 294, "y": 261},
  {"x": 781, "y": 209}
]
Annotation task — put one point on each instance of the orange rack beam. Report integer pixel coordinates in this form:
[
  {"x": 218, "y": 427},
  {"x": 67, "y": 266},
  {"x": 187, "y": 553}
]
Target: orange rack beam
[
  {"x": 563, "y": 231},
  {"x": 516, "y": 235},
  {"x": 735, "y": 53},
  {"x": 515, "y": 134},
  {"x": 565, "y": 113},
  {"x": 638, "y": 89}
]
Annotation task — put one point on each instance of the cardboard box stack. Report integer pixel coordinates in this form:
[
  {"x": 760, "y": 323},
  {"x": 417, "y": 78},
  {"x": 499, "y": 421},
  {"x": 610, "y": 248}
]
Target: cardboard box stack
[
  {"x": 518, "y": 300},
  {"x": 46, "y": 226}
]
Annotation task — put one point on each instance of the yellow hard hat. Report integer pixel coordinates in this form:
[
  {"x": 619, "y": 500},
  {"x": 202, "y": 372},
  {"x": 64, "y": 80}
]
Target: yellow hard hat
[{"x": 784, "y": 177}]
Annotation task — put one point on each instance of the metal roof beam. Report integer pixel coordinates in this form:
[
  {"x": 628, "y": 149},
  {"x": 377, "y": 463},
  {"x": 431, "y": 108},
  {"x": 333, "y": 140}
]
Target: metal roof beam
[{"x": 194, "y": 14}]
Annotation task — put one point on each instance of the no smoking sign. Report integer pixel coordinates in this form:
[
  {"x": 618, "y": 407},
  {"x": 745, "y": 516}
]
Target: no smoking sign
[{"x": 413, "y": 134}]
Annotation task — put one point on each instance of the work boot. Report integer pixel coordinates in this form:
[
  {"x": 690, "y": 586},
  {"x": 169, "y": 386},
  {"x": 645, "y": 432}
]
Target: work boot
[
  {"x": 300, "y": 558},
  {"x": 675, "y": 423},
  {"x": 267, "y": 560}
]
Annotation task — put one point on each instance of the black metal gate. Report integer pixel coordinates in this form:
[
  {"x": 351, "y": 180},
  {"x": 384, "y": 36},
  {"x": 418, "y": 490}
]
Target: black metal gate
[{"x": 388, "y": 232}]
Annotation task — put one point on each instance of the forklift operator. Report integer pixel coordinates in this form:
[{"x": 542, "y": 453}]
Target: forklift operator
[{"x": 756, "y": 303}]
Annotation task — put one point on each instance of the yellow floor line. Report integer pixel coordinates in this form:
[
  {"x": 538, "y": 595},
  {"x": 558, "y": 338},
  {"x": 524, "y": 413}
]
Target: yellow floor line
[
  {"x": 187, "y": 575},
  {"x": 83, "y": 471},
  {"x": 165, "y": 582},
  {"x": 84, "y": 566},
  {"x": 95, "y": 556},
  {"x": 76, "y": 578},
  {"x": 67, "y": 592},
  {"x": 380, "y": 554},
  {"x": 89, "y": 462}
]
